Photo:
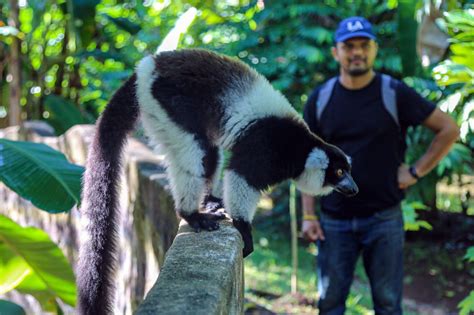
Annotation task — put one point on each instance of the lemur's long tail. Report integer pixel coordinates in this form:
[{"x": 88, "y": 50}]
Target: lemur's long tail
[{"x": 100, "y": 202}]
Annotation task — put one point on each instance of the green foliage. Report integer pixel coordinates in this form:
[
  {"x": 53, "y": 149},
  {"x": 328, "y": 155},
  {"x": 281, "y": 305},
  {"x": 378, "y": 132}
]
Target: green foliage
[
  {"x": 84, "y": 19},
  {"x": 36, "y": 172},
  {"x": 470, "y": 254},
  {"x": 459, "y": 159},
  {"x": 125, "y": 24},
  {"x": 290, "y": 43},
  {"x": 10, "y": 308},
  {"x": 457, "y": 72},
  {"x": 466, "y": 306},
  {"x": 73, "y": 55},
  {"x": 32, "y": 263},
  {"x": 410, "y": 217}
]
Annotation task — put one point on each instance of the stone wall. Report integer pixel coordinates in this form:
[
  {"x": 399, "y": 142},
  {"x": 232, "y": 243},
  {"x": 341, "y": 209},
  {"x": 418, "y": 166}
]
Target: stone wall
[
  {"x": 148, "y": 227},
  {"x": 202, "y": 274}
]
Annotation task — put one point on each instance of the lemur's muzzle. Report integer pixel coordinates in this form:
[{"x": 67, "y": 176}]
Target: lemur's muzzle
[{"x": 347, "y": 186}]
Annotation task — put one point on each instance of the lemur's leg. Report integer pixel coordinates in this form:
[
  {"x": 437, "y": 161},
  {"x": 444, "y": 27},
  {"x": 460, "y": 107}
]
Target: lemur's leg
[
  {"x": 241, "y": 201},
  {"x": 187, "y": 174},
  {"x": 213, "y": 165}
]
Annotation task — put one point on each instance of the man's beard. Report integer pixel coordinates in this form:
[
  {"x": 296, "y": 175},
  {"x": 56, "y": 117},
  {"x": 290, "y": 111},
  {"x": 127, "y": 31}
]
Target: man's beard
[{"x": 358, "y": 72}]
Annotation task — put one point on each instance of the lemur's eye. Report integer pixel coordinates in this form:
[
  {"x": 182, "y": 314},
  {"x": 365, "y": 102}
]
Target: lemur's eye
[{"x": 339, "y": 172}]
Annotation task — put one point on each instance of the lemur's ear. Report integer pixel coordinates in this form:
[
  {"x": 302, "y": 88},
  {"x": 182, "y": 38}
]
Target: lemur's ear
[{"x": 317, "y": 158}]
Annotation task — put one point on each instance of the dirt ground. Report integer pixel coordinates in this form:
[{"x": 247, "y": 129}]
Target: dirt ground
[{"x": 436, "y": 279}]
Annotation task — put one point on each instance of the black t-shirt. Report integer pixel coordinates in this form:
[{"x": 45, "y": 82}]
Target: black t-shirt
[{"x": 357, "y": 122}]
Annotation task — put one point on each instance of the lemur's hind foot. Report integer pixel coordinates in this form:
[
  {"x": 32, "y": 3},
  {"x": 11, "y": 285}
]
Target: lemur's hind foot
[
  {"x": 245, "y": 230},
  {"x": 203, "y": 221}
]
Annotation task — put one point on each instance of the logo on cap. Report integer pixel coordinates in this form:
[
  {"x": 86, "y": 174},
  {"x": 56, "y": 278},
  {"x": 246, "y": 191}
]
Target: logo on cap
[{"x": 354, "y": 26}]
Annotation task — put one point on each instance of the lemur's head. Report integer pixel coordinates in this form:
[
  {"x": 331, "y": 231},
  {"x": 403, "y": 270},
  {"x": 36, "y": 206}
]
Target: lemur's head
[{"x": 327, "y": 168}]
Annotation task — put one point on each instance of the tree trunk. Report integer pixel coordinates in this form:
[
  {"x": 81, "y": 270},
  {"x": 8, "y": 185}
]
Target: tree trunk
[
  {"x": 14, "y": 110},
  {"x": 407, "y": 28}
]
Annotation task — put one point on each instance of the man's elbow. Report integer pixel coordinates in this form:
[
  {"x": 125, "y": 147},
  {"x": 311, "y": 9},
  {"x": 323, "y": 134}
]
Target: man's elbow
[{"x": 452, "y": 131}]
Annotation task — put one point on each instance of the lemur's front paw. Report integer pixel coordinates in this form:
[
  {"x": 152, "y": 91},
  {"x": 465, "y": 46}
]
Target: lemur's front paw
[
  {"x": 203, "y": 221},
  {"x": 245, "y": 230},
  {"x": 212, "y": 204}
]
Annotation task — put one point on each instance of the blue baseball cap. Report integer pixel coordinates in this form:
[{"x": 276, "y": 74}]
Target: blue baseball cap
[{"x": 354, "y": 26}]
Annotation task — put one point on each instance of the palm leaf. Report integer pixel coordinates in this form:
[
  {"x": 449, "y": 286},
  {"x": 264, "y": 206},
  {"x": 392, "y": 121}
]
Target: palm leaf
[
  {"x": 42, "y": 256},
  {"x": 40, "y": 174}
]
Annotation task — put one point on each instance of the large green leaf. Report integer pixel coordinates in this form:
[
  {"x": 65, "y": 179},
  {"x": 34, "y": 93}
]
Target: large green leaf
[
  {"x": 13, "y": 269},
  {"x": 43, "y": 257},
  {"x": 35, "y": 286},
  {"x": 10, "y": 308},
  {"x": 40, "y": 174}
]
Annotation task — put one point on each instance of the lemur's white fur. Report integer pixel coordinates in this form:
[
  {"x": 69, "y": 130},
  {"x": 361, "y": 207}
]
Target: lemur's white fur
[
  {"x": 317, "y": 159},
  {"x": 216, "y": 190},
  {"x": 245, "y": 105},
  {"x": 312, "y": 179},
  {"x": 237, "y": 187},
  {"x": 180, "y": 156}
]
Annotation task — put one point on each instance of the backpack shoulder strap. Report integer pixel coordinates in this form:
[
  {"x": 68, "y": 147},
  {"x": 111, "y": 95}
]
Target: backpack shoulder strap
[
  {"x": 323, "y": 97},
  {"x": 389, "y": 97}
]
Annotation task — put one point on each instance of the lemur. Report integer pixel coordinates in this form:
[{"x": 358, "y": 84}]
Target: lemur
[{"x": 195, "y": 103}]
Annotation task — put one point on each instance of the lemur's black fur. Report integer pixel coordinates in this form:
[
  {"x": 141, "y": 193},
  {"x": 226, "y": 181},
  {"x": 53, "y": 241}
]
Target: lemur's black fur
[{"x": 194, "y": 103}]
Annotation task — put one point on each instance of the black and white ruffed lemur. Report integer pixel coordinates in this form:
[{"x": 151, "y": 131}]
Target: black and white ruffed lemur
[{"x": 194, "y": 104}]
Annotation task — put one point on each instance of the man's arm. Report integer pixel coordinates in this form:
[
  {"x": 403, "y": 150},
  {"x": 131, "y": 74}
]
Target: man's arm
[
  {"x": 446, "y": 133},
  {"x": 311, "y": 228}
]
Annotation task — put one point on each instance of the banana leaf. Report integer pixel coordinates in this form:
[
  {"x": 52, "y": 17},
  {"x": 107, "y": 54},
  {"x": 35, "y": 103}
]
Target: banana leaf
[
  {"x": 10, "y": 308},
  {"x": 40, "y": 174},
  {"x": 52, "y": 272}
]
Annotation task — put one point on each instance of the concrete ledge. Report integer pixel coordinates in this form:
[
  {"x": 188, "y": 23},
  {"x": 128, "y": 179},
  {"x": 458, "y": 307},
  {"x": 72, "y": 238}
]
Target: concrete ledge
[{"x": 202, "y": 274}]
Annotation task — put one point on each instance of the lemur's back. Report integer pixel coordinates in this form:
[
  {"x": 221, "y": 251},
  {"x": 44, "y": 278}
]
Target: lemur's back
[{"x": 205, "y": 94}]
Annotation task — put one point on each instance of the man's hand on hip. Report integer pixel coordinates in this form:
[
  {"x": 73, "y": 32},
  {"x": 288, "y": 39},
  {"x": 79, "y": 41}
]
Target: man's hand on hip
[
  {"x": 312, "y": 231},
  {"x": 405, "y": 179}
]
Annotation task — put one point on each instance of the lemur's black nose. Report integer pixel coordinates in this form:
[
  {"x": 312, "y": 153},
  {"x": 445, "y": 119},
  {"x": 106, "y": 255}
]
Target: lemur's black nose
[{"x": 347, "y": 186}]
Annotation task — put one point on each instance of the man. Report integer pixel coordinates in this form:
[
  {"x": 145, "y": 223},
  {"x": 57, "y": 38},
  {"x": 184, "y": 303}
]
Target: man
[{"x": 358, "y": 118}]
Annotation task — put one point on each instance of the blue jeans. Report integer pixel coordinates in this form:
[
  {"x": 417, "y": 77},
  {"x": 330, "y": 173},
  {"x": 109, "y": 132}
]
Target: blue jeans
[{"x": 380, "y": 239}]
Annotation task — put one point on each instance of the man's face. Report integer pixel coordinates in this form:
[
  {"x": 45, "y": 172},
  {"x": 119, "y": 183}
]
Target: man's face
[{"x": 356, "y": 55}]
